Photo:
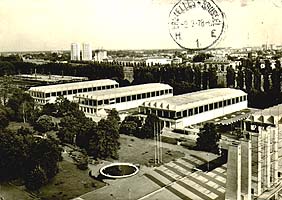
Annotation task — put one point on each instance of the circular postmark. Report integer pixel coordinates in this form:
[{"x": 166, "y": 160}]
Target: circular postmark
[
  {"x": 277, "y": 3},
  {"x": 196, "y": 24}
]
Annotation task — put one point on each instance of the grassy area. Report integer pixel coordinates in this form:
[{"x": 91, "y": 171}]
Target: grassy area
[
  {"x": 14, "y": 126},
  {"x": 141, "y": 151},
  {"x": 69, "y": 183}
]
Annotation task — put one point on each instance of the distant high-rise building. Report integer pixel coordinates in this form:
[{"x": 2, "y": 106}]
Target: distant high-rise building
[
  {"x": 86, "y": 52},
  {"x": 100, "y": 55},
  {"x": 75, "y": 51}
]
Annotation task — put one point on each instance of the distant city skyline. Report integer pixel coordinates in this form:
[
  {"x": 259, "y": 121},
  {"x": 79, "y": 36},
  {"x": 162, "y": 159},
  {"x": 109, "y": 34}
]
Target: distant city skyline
[{"x": 42, "y": 25}]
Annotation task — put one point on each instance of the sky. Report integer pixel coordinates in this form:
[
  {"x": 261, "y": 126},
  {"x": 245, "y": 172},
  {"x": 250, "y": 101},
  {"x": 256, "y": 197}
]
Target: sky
[{"x": 35, "y": 25}]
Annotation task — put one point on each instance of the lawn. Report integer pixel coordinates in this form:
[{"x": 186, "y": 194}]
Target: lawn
[
  {"x": 142, "y": 151},
  {"x": 69, "y": 183}
]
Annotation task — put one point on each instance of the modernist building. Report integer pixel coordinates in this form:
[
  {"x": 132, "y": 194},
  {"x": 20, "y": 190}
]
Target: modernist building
[
  {"x": 263, "y": 130},
  {"x": 100, "y": 55},
  {"x": 86, "y": 52},
  {"x": 49, "y": 93},
  {"x": 184, "y": 110},
  {"x": 95, "y": 103},
  {"x": 75, "y": 51}
]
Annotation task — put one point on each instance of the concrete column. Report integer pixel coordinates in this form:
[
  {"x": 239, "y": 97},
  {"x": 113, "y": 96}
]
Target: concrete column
[
  {"x": 233, "y": 181},
  {"x": 246, "y": 172},
  {"x": 256, "y": 162},
  {"x": 268, "y": 159},
  {"x": 275, "y": 157}
]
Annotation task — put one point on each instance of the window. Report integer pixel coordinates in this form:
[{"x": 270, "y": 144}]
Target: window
[
  {"x": 225, "y": 103},
  {"x": 59, "y": 93},
  {"x": 112, "y": 86},
  {"x": 178, "y": 114},
  {"x": 244, "y": 98},
  {"x": 160, "y": 113},
  {"x": 106, "y": 101},
  {"x": 99, "y": 88},
  {"x": 211, "y": 106},
  {"x": 108, "y": 86},
  {"x": 89, "y": 89},
  {"x": 47, "y": 94},
  {"x": 144, "y": 96},
  {"x": 166, "y": 114},
  {"x": 220, "y": 104},
  {"x": 201, "y": 108},
  {"x": 53, "y": 94},
  {"x": 185, "y": 113},
  {"x": 84, "y": 89},
  {"x": 94, "y": 103},
  {"x": 206, "y": 108},
  {"x": 103, "y": 87},
  {"x": 118, "y": 100},
  {"x": 158, "y": 93},
  {"x": 190, "y": 112},
  {"x": 237, "y": 99},
  {"x": 153, "y": 94},
  {"x": 122, "y": 99},
  {"x": 128, "y": 98},
  {"x": 170, "y": 91},
  {"x": 196, "y": 110},
  {"x": 94, "y": 88},
  {"x": 166, "y": 91},
  {"x": 79, "y": 90},
  {"x": 229, "y": 102},
  {"x": 162, "y": 92},
  {"x": 74, "y": 91},
  {"x": 133, "y": 97},
  {"x": 148, "y": 95},
  {"x": 215, "y": 105},
  {"x": 64, "y": 92},
  {"x": 233, "y": 101},
  {"x": 69, "y": 91},
  {"x": 138, "y": 96},
  {"x": 100, "y": 102}
]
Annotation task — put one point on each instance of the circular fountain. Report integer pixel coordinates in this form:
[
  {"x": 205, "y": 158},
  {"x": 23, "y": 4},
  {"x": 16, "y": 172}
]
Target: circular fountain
[{"x": 119, "y": 170}]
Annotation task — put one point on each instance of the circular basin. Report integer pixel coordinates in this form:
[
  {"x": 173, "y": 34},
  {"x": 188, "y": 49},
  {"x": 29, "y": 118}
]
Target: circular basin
[{"x": 119, "y": 170}]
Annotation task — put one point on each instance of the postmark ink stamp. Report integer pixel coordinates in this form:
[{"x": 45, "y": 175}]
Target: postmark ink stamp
[{"x": 196, "y": 24}]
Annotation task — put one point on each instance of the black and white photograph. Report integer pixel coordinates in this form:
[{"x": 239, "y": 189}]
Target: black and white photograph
[{"x": 140, "y": 100}]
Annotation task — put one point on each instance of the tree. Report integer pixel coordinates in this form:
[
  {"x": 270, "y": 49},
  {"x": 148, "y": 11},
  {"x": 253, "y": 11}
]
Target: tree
[
  {"x": 49, "y": 109},
  {"x": 147, "y": 130},
  {"x": 66, "y": 108},
  {"x": 208, "y": 138},
  {"x": 230, "y": 77},
  {"x": 4, "y": 118},
  {"x": 35, "y": 179},
  {"x": 44, "y": 123},
  {"x": 128, "y": 128},
  {"x": 105, "y": 142},
  {"x": 22, "y": 106},
  {"x": 13, "y": 155},
  {"x": 113, "y": 114}
]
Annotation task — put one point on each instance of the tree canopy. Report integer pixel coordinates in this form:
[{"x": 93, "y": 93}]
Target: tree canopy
[{"x": 208, "y": 138}]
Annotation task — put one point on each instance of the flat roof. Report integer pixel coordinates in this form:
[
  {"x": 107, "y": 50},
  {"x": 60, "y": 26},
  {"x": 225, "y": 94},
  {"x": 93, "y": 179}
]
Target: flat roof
[
  {"x": 71, "y": 86},
  {"x": 194, "y": 99},
  {"x": 124, "y": 91}
]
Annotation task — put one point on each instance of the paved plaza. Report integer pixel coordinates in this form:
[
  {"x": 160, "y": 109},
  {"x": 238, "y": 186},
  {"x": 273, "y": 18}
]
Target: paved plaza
[{"x": 174, "y": 180}]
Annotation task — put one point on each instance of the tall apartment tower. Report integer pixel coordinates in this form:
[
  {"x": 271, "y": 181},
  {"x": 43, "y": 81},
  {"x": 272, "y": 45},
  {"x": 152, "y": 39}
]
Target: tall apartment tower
[
  {"x": 75, "y": 51},
  {"x": 86, "y": 52}
]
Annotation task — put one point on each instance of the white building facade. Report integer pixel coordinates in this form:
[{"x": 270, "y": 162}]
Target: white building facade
[
  {"x": 100, "y": 55},
  {"x": 86, "y": 52},
  {"x": 49, "y": 93},
  {"x": 75, "y": 51},
  {"x": 184, "y": 110},
  {"x": 95, "y": 103}
]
